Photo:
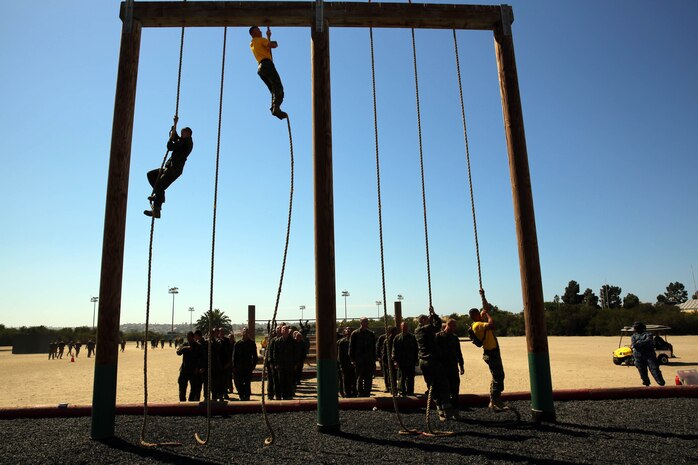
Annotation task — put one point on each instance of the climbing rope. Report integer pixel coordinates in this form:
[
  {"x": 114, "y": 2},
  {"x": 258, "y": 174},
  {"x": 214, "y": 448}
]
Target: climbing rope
[
  {"x": 472, "y": 196},
  {"x": 176, "y": 115},
  {"x": 403, "y": 428},
  {"x": 467, "y": 156},
  {"x": 421, "y": 164},
  {"x": 429, "y": 431},
  {"x": 150, "y": 263},
  {"x": 270, "y": 439},
  {"x": 213, "y": 251}
]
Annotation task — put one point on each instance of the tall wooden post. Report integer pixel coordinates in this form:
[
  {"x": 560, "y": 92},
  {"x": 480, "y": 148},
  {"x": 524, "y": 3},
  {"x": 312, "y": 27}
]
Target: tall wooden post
[
  {"x": 106, "y": 358},
  {"x": 250, "y": 321},
  {"x": 398, "y": 314},
  {"x": 325, "y": 292},
  {"x": 529, "y": 263}
]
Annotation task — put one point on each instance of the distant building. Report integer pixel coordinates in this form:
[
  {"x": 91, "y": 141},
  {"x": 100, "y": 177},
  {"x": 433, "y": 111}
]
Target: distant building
[{"x": 689, "y": 306}]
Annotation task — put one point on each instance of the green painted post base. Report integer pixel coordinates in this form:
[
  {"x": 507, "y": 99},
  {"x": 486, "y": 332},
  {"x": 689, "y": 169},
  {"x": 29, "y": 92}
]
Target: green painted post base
[
  {"x": 542, "y": 405},
  {"x": 103, "y": 402},
  {"x": 327, "y": 397}
]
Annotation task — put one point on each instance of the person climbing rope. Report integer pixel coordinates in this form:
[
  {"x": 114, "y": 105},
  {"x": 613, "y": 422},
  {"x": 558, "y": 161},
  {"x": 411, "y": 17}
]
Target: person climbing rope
[
  {"x": 483, "y": 329},
  {"x": 161, "y": 179},
  {"x": 261, "y": 49}
]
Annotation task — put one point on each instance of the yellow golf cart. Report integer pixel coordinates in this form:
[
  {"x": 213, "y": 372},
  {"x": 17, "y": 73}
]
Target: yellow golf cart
[{"x": 623, "y": 355}]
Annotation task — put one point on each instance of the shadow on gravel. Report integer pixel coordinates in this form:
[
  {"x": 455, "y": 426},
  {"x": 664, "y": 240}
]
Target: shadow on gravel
[
  {"x": 605, "y": 429},
  {"x": 152, "y": 453},
  {"x": 494, "y": 424},
  {"x": 440, "y": 447}
]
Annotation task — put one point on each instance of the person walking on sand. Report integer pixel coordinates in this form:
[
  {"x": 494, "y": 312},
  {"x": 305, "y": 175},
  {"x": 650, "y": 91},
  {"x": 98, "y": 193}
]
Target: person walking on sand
[{"x": 645, "y": 357}]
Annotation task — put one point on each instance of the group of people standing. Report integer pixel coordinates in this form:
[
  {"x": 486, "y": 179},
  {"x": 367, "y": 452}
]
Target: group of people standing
[
  {"x": 434, "y": 347},
  {"x": 231, "y": 360},
  {"x": 286, "y": 351}
]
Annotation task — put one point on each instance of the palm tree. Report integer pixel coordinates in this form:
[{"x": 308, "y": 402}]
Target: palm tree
[{"x": 218, "y": 320}]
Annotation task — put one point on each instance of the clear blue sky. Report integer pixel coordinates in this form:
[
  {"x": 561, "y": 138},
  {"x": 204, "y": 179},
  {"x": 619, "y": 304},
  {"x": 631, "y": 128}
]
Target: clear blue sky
[{"x": 609, "y": 97}]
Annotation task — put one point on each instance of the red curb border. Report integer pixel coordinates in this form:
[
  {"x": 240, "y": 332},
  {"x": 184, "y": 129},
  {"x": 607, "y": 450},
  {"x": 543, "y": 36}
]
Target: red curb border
[{"x": 364, "y": 403}]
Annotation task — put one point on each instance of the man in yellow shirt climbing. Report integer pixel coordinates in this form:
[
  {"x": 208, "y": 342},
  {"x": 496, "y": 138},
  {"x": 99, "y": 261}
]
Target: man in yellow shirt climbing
[
  {"x": 483, "y": 329},
  {"x": 261, "y": 49}
]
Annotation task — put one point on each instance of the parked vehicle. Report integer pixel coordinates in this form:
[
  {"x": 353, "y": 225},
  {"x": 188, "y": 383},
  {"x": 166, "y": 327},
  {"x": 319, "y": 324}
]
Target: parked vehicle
[{"x": 623, "y": 355}]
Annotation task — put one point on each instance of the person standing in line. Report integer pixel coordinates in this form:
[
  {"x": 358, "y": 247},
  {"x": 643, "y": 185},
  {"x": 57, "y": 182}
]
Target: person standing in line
[
  {"x": 405, "y": 356},
  {"x": 301, "y": 350},
  {"x": 362, "y": 352},
  {"x": 245, "y": 359},
  {"x": 380, "y": 344},
  {"x": 348, "y": 376},
  {"x": 216, "y": 345},
  {"x": 431, "y": 363},
  {"x": 449, "y": 345},
  {"x": 285, "y": 359},
  {"x": 188, "y": 375},
  {"x": 228, "y": 365},
  {"x": 385, "y": 356},
  {"x": 271, "y": 374},
  {"x": 483, "y": 328},
  {"x": 642, "y": 343},
  {"x": 201, "y": 364}
]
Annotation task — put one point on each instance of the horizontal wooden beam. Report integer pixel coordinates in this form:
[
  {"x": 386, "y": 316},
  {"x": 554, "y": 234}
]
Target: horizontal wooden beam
[{"x": 302, "y": 14}]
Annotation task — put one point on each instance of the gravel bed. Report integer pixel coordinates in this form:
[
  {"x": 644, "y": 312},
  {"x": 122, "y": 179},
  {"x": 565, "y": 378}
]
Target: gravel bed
[{"x": 638, "y": 431}]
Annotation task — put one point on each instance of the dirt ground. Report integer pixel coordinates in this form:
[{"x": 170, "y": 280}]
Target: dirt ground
[{"x": 576, "y": 362}]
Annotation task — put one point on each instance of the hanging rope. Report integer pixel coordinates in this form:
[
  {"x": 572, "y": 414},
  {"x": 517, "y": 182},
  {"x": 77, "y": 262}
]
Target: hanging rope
[
  {"x": 176, "y": 115},
  {"x": 467, "y": 156},
  {"x": 270, "y": 439},
  {"x": 429, "y": 431},
  {"x": 150, "y": 263},
  {"x": 213, "y": 252},
  {"x": 421, "y": 164},
  {"x": 472, "y": 196},
  {"x": 403, "y": 428}
]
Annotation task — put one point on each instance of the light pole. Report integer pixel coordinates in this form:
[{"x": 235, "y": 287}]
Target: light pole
[
  {"x": 378, "y": 304},
  {"x": 191, "y": 314},
  {"x": 400, "y": 298},
  {"x": 345, "y": 294},
  {"x": 302, "y": 307},
  {"x": 174, "y": 291},
  {"x": 94, "y": 309}
]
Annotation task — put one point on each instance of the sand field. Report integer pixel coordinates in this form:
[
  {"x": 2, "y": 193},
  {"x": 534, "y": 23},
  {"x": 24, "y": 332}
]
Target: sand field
[{"x": 576, "y": 362}]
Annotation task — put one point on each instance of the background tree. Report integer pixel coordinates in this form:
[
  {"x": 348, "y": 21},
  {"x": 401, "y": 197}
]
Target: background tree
[
  {"x": 590, "y": 299},
  {"x": 631, "y": 301},
  {"x": 675, "y": 294},
  {"x": 695, "y": 295},
  {"x": 571, "y": 295},
  {"x": 218, "y": 320},
  {"x": 610, "y": 296}
]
